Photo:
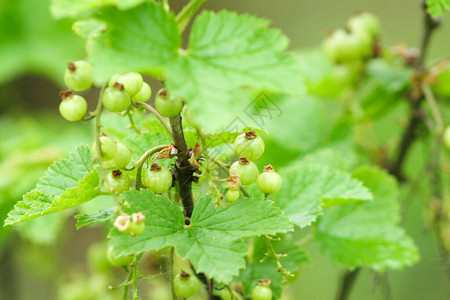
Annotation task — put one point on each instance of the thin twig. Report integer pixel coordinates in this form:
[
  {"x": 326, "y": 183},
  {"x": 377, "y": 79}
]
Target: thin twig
[
  {"x": 156, "y": 113},
  {"x": 138, "y": 164}
]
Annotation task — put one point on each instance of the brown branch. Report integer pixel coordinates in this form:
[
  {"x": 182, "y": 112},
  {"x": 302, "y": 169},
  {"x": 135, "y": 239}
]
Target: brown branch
[{"x": 183, "y": 171}]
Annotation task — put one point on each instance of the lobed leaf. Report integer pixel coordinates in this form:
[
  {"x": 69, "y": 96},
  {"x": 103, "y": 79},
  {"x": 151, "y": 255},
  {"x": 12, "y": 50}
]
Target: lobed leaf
[
  {"x": 367, "y": 234},
  {"x": 229, "y": 57},
  {"x": 67, "y": 183},
  {"x": 213, "y": 240},
  {"x": 307, "y": 188}
]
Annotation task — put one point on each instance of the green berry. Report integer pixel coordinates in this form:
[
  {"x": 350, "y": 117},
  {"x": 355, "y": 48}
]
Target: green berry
[
  {"x": 144, "y": 94},
  {"x": 262, "y": 292},
  {"x": 232, "y": 195},
  {"x": 344, "y": 47},
  {"x": 185, "y": 285},
  {"x": 132, "y": 82},
  {"x": 96, "y": 257},
  {"x": 108, "y": 148},
  {"x": 79, "y": 75},
  {"x": 119, "y": 261},
  {"x": 447, "y": 137},
  {"x": 167, "y": 105},
  {"x": 121, "y": 158},
  {"x": 246, "y": 169},
  {"x": 366, "y": 23},
  {"x": 190, "y": 117},
  {"x": 269, "y": 182},
  {"x": 118, "y": 182},
  {"x": 158, "y": 179},
  {"x": 72, "y": 107},
  {"x": 137, "y": 229},
  {"x": 116, "y": 98},
  {"x": 250, "y": 145},
  {"x": 442, "y": 84}
]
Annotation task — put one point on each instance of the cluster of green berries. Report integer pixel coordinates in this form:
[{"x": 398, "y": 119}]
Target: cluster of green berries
[
  {"x": 185, "y": 285},
  {"x": 250, "y": 146},
  {"x": 356, "y": 42},
  {"x": 133, "y": 225},
  {"x": 121, "y": 91}
]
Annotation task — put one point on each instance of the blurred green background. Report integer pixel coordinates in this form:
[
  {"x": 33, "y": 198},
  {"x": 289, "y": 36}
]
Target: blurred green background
[{"x": 34, "y": 50}]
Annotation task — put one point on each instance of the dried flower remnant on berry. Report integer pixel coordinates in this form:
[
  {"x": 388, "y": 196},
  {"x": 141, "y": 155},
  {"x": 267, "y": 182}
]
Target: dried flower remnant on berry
[{"x": 122, "y": 222}]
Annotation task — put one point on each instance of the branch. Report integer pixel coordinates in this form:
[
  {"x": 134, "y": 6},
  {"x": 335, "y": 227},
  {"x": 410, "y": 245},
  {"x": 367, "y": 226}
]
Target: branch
[
  {"x": 347, "y": 282},
  {"x": 155, "y": 112},
  {"x": 184, "y": 171}
]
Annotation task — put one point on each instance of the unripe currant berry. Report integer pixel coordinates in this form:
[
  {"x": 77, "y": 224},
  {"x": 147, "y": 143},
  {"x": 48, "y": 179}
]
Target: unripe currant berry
[
  {"x": 168, "y": 105},
  {"x": 158, "y": 179},
  {"x": 132, "y": 82},
  {"x": 118, "y": 182},
  {"x": 185, "y": 285},
  {"x": 121, "y": 158},
  {"x": 119, "y": 261},
  {"x": 250, "y": 145},
  {"x": 232, "y": 195},
  {"x": 246, "y": 169},
  {"x": 108, "y": 147},
  {"x": 262, "y": 291},
  {"x": 365, "y": 23},
  {"x": 447, "y": 137},
  {"x": 144, "y": 94},
  {"x": 343, "y": 47},
  {"x": 269, "y": 182},
  {"x": 116, "y": 98},
  {"x": 72, "y": 107},
  {"x": 441, "y": 86},
  {"x": 137, "y": 225},
  {"x": 79, "y": 75},
  {"x": 189, "y": 117}
]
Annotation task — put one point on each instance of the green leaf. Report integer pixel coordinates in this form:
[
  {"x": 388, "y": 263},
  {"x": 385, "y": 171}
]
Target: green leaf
[
  {"x": 102, "y": 216},
  {"x": 292, "y": 261},
  {"x": 143, "y": 39},
  {"x": 213, "y": 241},
  {"x": 74, "y": 8},
  {"x": 307, "y": 188},
  {"x": 67, "y": 183},
  {"x": 228, "y": 59},
  {"x": 367, "y": 234},
  {"x": 219, "y": 138},
  {"x": 437, "y": 8}
]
